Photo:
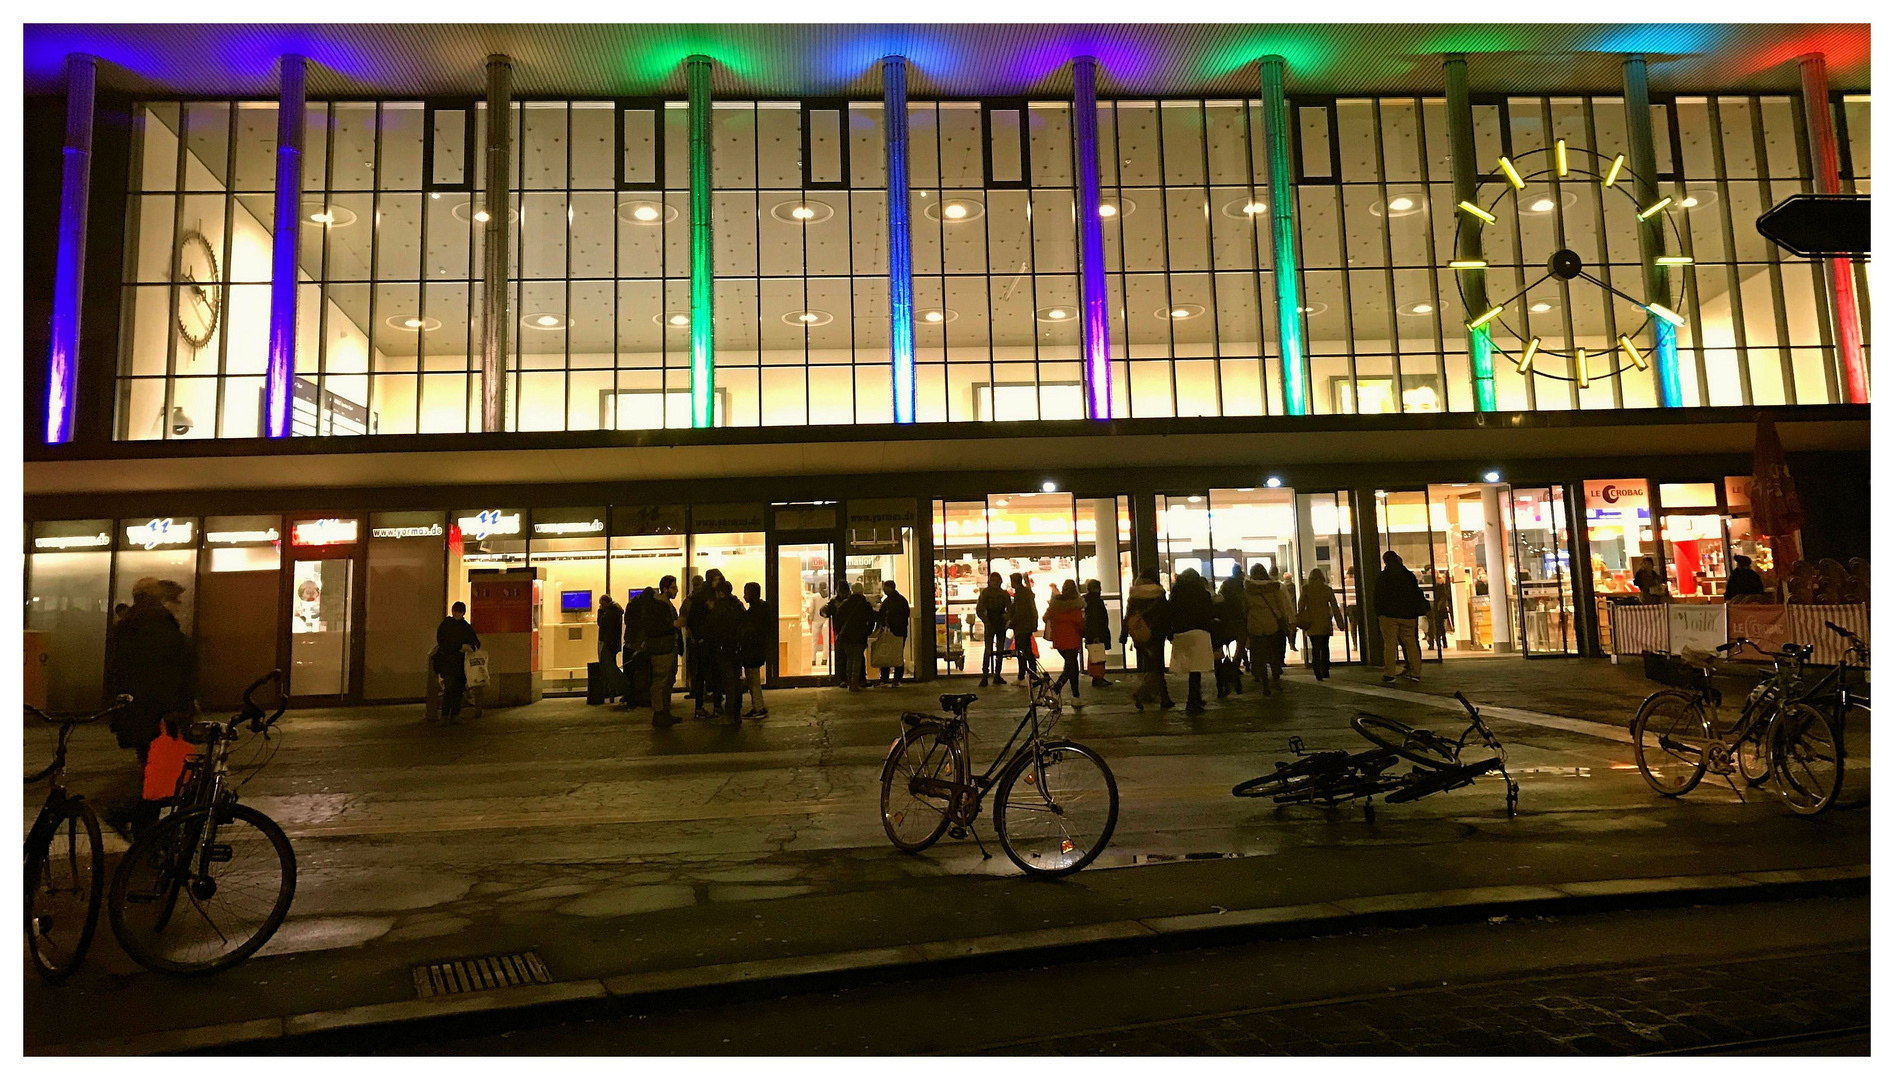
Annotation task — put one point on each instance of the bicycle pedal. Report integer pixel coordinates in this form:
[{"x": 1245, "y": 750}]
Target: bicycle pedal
[{"x": 957, "y": 833}]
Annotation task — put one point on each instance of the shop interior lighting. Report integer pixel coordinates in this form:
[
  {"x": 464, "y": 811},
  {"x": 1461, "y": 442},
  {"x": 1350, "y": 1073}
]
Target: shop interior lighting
[
  {"x": 1631, "y": 350},
  {"x": 1611, "y": 174},
  {"x": 1645, "y": 214},
  {"x": 1491, "y": 476},
  {"x": 1486, "y": 318},
  {"x": 1665, "y": 314},
  {"x": 1512, "y": 175},
  {"x": 1558, "y": 152},
  {"x": 1478, "y": 213},
  {"x": 1273, "y": 482},
  {"x": 1048, "y": 487},
  {"x": 1525, "y": 358}
]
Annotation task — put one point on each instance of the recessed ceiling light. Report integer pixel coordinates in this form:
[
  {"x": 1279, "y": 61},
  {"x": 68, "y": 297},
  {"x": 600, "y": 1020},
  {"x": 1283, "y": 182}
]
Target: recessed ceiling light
[
  {"x": 1195, "y": 499},
  {"x": 412, "y": 322},
  {"x": 1313, "y": 308},
  {"x": 1243, "y": 208},
  {"x": 802, "y": 211},
  {"x": 1274, "y": 481},
  {"x": 333, "y": 217},
  {"x": 808, "y": 317},
  {"x": 482, "y": 216},
  {"x": 955, "y": 211},
  {"x": 646, "y": 212},
  {"x": 1400, "y": 202},
  {"x": 1180, "y": 312},
  {"x": 677, "y": 319},
  {"x": 466, "y": 212},
  {"x": 1542, "y": 205},
  {"x": 1541, "y": 307},
  {"x": 1048, "y": 487},
  {"x": 1491, "y": 476},
  {"x": 1417, "y": 307},
  {"x": 1689, "y": 201},
  {"x": 1111, "y": 209},
  {"x": 1107, "y": 210},
  {"x": 939, "y": 315},
  {"x": 1055, "y": 314},
  {"x": 544, "y": 320}
]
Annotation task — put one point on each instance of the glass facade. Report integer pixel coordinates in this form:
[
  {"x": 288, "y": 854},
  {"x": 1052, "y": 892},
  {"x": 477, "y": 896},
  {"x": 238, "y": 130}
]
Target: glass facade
[{"x": 392, "y": 220}]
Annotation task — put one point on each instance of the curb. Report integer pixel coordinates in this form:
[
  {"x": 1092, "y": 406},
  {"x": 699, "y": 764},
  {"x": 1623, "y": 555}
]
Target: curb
[{"x": 390, "y": 1024}]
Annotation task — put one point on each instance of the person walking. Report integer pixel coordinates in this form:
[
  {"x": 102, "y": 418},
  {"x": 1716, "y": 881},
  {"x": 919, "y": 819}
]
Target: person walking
[
  {"x": 1148, "y": 626},
  {"x": 453, "y": 640},
  {"x": 1192, "y": 614},
  {"x": 1023, "y": 617},
  {"x": 1745, "y": 584},
  {"x": 723, "y": 632},
  {"x": 1399, "y": 605},
  {"x": 1270, "y": 614},
  {"x": 853, "y": 619},
  {"x": 992, "y": 607},
  {"x": 892, "y": 620},
  {"x": 757, "y": 642},
  {"x": 1440, "y": 609},
  {"x": 654, "y": 628},
  {"x": 1097, "y": 632},
  {"x": 155, "y": 662},
  {"x": 1318, "y": 616},
  {"x": 1065, "y": 627},
  {"x": 1233, "y": 622},
  {"x": 611, "y": 639}
]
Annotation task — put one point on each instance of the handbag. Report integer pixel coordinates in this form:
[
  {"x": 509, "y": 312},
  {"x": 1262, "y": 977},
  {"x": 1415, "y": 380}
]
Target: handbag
[
  {"x": 888, "y": 649},
  {"x": 1137, "y": 628},
  {"x": 477, "y": 668},
  {"x": 1095, "y": 659},
  {"x": 164, "y": 765}
]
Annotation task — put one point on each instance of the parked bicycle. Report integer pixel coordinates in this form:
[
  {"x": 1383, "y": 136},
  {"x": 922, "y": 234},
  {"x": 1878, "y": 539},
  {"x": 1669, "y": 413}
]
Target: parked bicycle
[
  {"x": 206, "y": 886},
  {"x": 65, "y": 863},
  {"x": 1055, "y": 801},
  {"x": 1331, "y": 777},
  {"x": 1780, "y": 736}
]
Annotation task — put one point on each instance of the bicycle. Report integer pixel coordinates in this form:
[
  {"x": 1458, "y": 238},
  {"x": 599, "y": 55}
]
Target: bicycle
[
  {"x": 1677, "y": 741},
  {"x": 1806, "y": 740},
  {"x": 1331, "y": 777},
  {"x": 1055, "y": 802},
  {"x": 65, "y": 863},
  {"x": 230, "y": 864}
]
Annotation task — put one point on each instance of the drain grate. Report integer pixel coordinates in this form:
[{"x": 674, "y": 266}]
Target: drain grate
[{"x": 479, "y": 973}]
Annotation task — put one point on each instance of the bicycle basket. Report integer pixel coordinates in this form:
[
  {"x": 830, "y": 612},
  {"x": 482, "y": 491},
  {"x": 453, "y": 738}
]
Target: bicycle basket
[{"x": 1673, "y": 671}]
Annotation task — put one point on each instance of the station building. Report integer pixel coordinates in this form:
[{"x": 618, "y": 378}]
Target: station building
[{"x": 324, "y": 322}]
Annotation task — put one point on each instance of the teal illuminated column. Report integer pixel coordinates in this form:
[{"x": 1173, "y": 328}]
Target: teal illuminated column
[
  {"x": 1472, "y": 261},
  {"x": 894, "y": 110},
  {"x": 703, "y": 282},
  {"x": 1282, "y": 239},
  {"x": 1643, "y": 154}
]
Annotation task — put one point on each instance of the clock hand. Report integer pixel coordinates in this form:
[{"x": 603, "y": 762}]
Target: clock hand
[
  {"x": 1524, "y": 291},
  {"x": 1620, "y": 293}
]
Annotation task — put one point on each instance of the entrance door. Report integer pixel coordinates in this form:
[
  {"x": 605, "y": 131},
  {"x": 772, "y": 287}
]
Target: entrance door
[
  {"x": 1542, "y": 554},
  {"x": 805, "y": 581},
  {"x": 1325, "y": 537},
  {"x": 320, "y": 605},
  {"x": 1407, "y": 529}
]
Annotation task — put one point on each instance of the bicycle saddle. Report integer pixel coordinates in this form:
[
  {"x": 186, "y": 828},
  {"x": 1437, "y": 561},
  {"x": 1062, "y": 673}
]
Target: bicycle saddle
[{"x": 957, "y": 703}]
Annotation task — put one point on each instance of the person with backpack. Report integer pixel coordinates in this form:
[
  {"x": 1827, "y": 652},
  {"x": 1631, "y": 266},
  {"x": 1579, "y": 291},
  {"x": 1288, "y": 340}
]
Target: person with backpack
[
  {"x": 1271, "y": 620},
  {"x": 1065, "y": 627},
  {"x": 1398, "y": 607},
  {"x": 1023, "y": 617},
  {"x": 155, "y": 662},
  {"x": 756, "y": 643},
  {"x": 992, "y": 607},
  {"x": 1097, "y": 633},
  {"x": 1148, "y": 626}
]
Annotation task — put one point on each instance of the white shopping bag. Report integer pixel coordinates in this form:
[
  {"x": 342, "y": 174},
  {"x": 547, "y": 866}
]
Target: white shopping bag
[{"x": 477, "y": 668}]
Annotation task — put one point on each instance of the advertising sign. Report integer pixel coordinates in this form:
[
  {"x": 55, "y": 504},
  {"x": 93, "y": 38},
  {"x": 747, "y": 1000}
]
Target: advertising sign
[
  {"x": 1617, "y": 500},
  {"x": 1765, "y": 625},
  {"x": 1697, "y": 627},
  {"x": 157, "y": 533},
  {"x": 323, "y": 532}
]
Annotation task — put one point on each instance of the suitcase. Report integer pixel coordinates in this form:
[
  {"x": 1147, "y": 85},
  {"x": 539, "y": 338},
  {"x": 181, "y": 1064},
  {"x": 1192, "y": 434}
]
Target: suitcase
[{"x": 595, "y": 685}]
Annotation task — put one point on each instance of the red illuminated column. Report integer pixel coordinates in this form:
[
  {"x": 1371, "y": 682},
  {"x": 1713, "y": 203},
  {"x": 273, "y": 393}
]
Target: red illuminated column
[{"x": 1841, "y": 272}]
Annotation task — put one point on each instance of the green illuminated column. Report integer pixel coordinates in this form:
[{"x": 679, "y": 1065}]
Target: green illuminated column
[
  {"x": 1466, "y": 188},
  {"x": 1282, "y": 239},
  {"x": 703, "y": 289}
]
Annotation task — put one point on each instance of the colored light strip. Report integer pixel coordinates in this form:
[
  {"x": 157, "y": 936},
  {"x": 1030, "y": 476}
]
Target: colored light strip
[
  {"x": 1558, "y": 151},
  {"x": 1632, "y": 350},
  {"x": 894, "y": 111},
  {"x": 62, "y": 361},
  {"x": 1512, "y": 175},
  {"x": 703, "y": 287},
  {"x": 1467, "y": 264},
  {"x": 1674, "y": 260},
  {"x": 1617, "y": 166},
  {"x": 1525, "y": 359},
  {"x": 1578, "y": 365},
  {"x": 1825, "y": 159},
  {"x": 1645, "y": 214},
  {"x": 1486, "y": 318},
  {"x": 1670, "y": 384},
  {"x": 1665, "y": 314},
  {"x": 280, "y": 376},
  {"x": 1282, "y": 228},
  {"x": 1480, "y": 356},
  {"x": 1094, "y": 324},
  {"x": 1478, "y": 213}
]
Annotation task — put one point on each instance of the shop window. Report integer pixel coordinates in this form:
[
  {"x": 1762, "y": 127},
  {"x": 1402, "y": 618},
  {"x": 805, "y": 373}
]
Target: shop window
[
  {"x": 1618, "y": 528},
  {"x": 68, "y": 581},
  {"x": 569, "y": 548},
  {"x": 164, "y": 548}
]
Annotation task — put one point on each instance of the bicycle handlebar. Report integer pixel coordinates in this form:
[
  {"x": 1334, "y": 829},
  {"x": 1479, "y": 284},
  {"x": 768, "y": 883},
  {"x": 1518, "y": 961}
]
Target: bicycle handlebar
[
  {"x": 1843, "y": 631},
  {"x": 254, "y": 712}
]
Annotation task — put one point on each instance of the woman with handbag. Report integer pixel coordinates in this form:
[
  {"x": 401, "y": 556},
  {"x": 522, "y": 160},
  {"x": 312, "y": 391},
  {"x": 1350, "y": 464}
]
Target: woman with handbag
[
  {"x": 1065, "y": 626},
  {"x": 1319, "y": 616},
  {"x": 890, "y": 642},
  {"x": 1097, "y": 633},
  {"x": 1193, "y": 614},
  {"x": 1271, "y": 616}
]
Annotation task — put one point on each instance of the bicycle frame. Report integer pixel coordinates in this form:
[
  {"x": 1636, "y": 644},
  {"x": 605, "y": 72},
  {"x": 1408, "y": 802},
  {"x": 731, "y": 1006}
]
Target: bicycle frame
[{"x": 965, "y": 800}]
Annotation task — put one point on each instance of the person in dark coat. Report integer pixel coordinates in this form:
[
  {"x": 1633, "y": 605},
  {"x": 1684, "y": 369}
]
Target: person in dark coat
[
  {"x": 699, "y": 655},
  {"x": 755, "y": 644},
  {"x": 894, "y": 617},
  {"x": 992, "y": 607},
  {"x": 1398, "y": 607},
  {"x": 1097, "y": 623},
  {"x": 652, "y": 637},
  {"x": 1192, "y": 608},
  {"x": 1148, "y": 606},
  {"x": 1745, "y": 584},
  {"x": 452, "y": 641},
  {"x": 155, "y": 663},
  {"x": 1233, "y": 624},
  {"x": 1023, "y": 617},
  {"x": 611, "y": 638},
  {"x": 853, "y": 619},
  {"x": 723, "y": 637}
]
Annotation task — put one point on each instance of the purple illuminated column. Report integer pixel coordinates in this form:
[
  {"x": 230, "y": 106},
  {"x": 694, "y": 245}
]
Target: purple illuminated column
[
  {"x": 277, "y": 399},
  {"x": 1094, "y": 342},
  {"x": 69, "y": 275},
  {"x": 1819, "y": 115}
]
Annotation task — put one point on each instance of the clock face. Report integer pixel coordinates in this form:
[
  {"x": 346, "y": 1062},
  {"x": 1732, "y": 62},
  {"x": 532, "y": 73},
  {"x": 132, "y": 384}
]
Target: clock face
[
  {"x": 1534, "y": 202},
  {"x": 200, "y": 293}
]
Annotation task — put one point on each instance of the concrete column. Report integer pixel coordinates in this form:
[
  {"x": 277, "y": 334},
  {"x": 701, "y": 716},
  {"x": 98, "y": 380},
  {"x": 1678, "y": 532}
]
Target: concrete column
[
  {"x": 894, "y": 117},
  {"x": 1466, "y": 188},
  {"x": 1094, "y": 321},
  {"x": 1498, "y": 558},
  {"x": 285, "y": 261},
  {"x": 1823, "y": 154},
  {"x": 1282, "y": 239},
  {"x": 1643, "y": 154},
  {"x": 62, "y": 383},
  {"x": 496, "y": 301},
  {"x": 1367, "y": 555}
]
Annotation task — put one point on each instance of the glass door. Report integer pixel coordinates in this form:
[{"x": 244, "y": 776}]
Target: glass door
[
  {"x": 1542, "y": 560},
  {"x": 804, "y": 584},
  {"x": 1407, "y": 529},
  {"x": 319, "y": 618},
  {"x": 1326, "y": 540}
]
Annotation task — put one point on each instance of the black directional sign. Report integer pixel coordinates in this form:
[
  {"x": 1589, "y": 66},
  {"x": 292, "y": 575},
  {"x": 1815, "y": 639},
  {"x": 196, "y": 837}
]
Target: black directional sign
[{"x": 1818, "y": 226}]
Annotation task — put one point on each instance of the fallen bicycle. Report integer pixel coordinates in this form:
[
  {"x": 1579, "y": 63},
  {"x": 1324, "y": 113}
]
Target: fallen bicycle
[{"x": 1332, "y": 777}]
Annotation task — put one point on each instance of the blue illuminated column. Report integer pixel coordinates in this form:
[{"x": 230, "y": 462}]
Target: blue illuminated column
[
  {"x": 277, "y": 399},
  {"x": 69, "y": 274},
  {"x": 894, "y": 108},
  {"x": 703, "y": 268},
  {"x": 1637, "y": 122},
  {"x": 1094, "y": 329},
  {"x": 1282, "y": 239}
]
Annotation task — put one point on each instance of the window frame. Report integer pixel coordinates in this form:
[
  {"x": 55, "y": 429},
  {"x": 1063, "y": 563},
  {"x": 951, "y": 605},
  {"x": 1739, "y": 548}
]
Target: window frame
[
  {"x": 839, "y": 106},
  {"x": 656, "y": 107},
  {"x": 433, "y": 106}
]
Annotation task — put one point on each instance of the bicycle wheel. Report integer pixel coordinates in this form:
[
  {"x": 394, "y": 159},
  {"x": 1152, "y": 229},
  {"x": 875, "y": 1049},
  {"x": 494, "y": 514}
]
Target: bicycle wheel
[
  {"x": 1417, "y": 745},
  {"x": 1805, "y": 751},
  {"x": 914, "y": 802},
  {"x": 1752, "y": 758},
  {"x": 1669, "y": 734},
  {"x": 1289, "y": 776},
  {"x": 1055, "y": 809},
  {"x": 200, "y": 893},
  {"x": 65, "y": 882}
]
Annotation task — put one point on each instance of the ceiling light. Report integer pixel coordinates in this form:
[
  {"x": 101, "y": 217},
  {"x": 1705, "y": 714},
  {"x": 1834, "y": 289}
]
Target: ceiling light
[
  {"x": 482, "y": 216},
  {"x": 1107, "y": 210},
  {"x": 1491, "y": 476},
  {"x": 334, "y": 217},
  {"x": 675, "y": 318},
  {"x": 808, "y": 317},
  {"x": 1400, "y": 202},
  {"x": 1542, "y": 205},
  {"x": 647, "y": 212},
  {"x": 955, "y": 211},
  {"x": 1055, "y": 314},
  {"x": 940, "y": 315},
  {"x": 1244, "y": 208},
  {"x": 412, "y": 323},
  {"x": 1274, "y": 482},
  {"x": 544, "y": 320},
  {"x": 1540, "y": 308},
  {"x": 1314, "y": 307},
  {"x": 1194, "y": 498},
  {"x": 802, "y": 211},
  {"x": 1180, "y": 312},
  {"x": 933, "y": 316},
  {"x": 1048, "y": 487},
  {"x": 1418, "y": 307}
]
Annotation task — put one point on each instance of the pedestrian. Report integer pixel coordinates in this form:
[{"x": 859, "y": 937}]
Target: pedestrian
[
  {"x": 1398, "y": 605},
  {"x": 155, "y": 663},
  {"x": 1745, "y": 584},
  {"x": 453, "y": 640},
  {"x": 1065, "y": 628},
  {"x": 1192, "y": 612},
  {"x": 1649, "y": 582},
  {"x": 758, "y": 641},
  {"x": 723, "y": 633},
  {"x": 1148, "y": 626},
  {"x": 891, "y": 624},
  {"x": 1317, "y": 617},
  {"x": 686, "y": 651},
  {"x": 1440, "y": 609},
  {"x": 992, "y": 607},
  {"x": 1097, "y": 632},
  {"x": 700, "y": 657},
  {"x": 853, "y": 620},
  {"x": 1023, "y": 617},
  {"x": 1233, "y": 620},
  {"x": 638, "y": 614},
  {"x": 611, "y": 638},
  {"x": 656, "y": 628},
  {"x": 1271, "y": 620}
]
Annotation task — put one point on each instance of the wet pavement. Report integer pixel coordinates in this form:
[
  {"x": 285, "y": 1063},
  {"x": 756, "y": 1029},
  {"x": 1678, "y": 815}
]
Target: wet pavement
[{"x": 611, "y": 846}]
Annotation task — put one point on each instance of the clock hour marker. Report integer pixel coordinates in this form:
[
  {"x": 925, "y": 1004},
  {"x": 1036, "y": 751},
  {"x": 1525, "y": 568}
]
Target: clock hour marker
[{"x": 1478, "y": 213}]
